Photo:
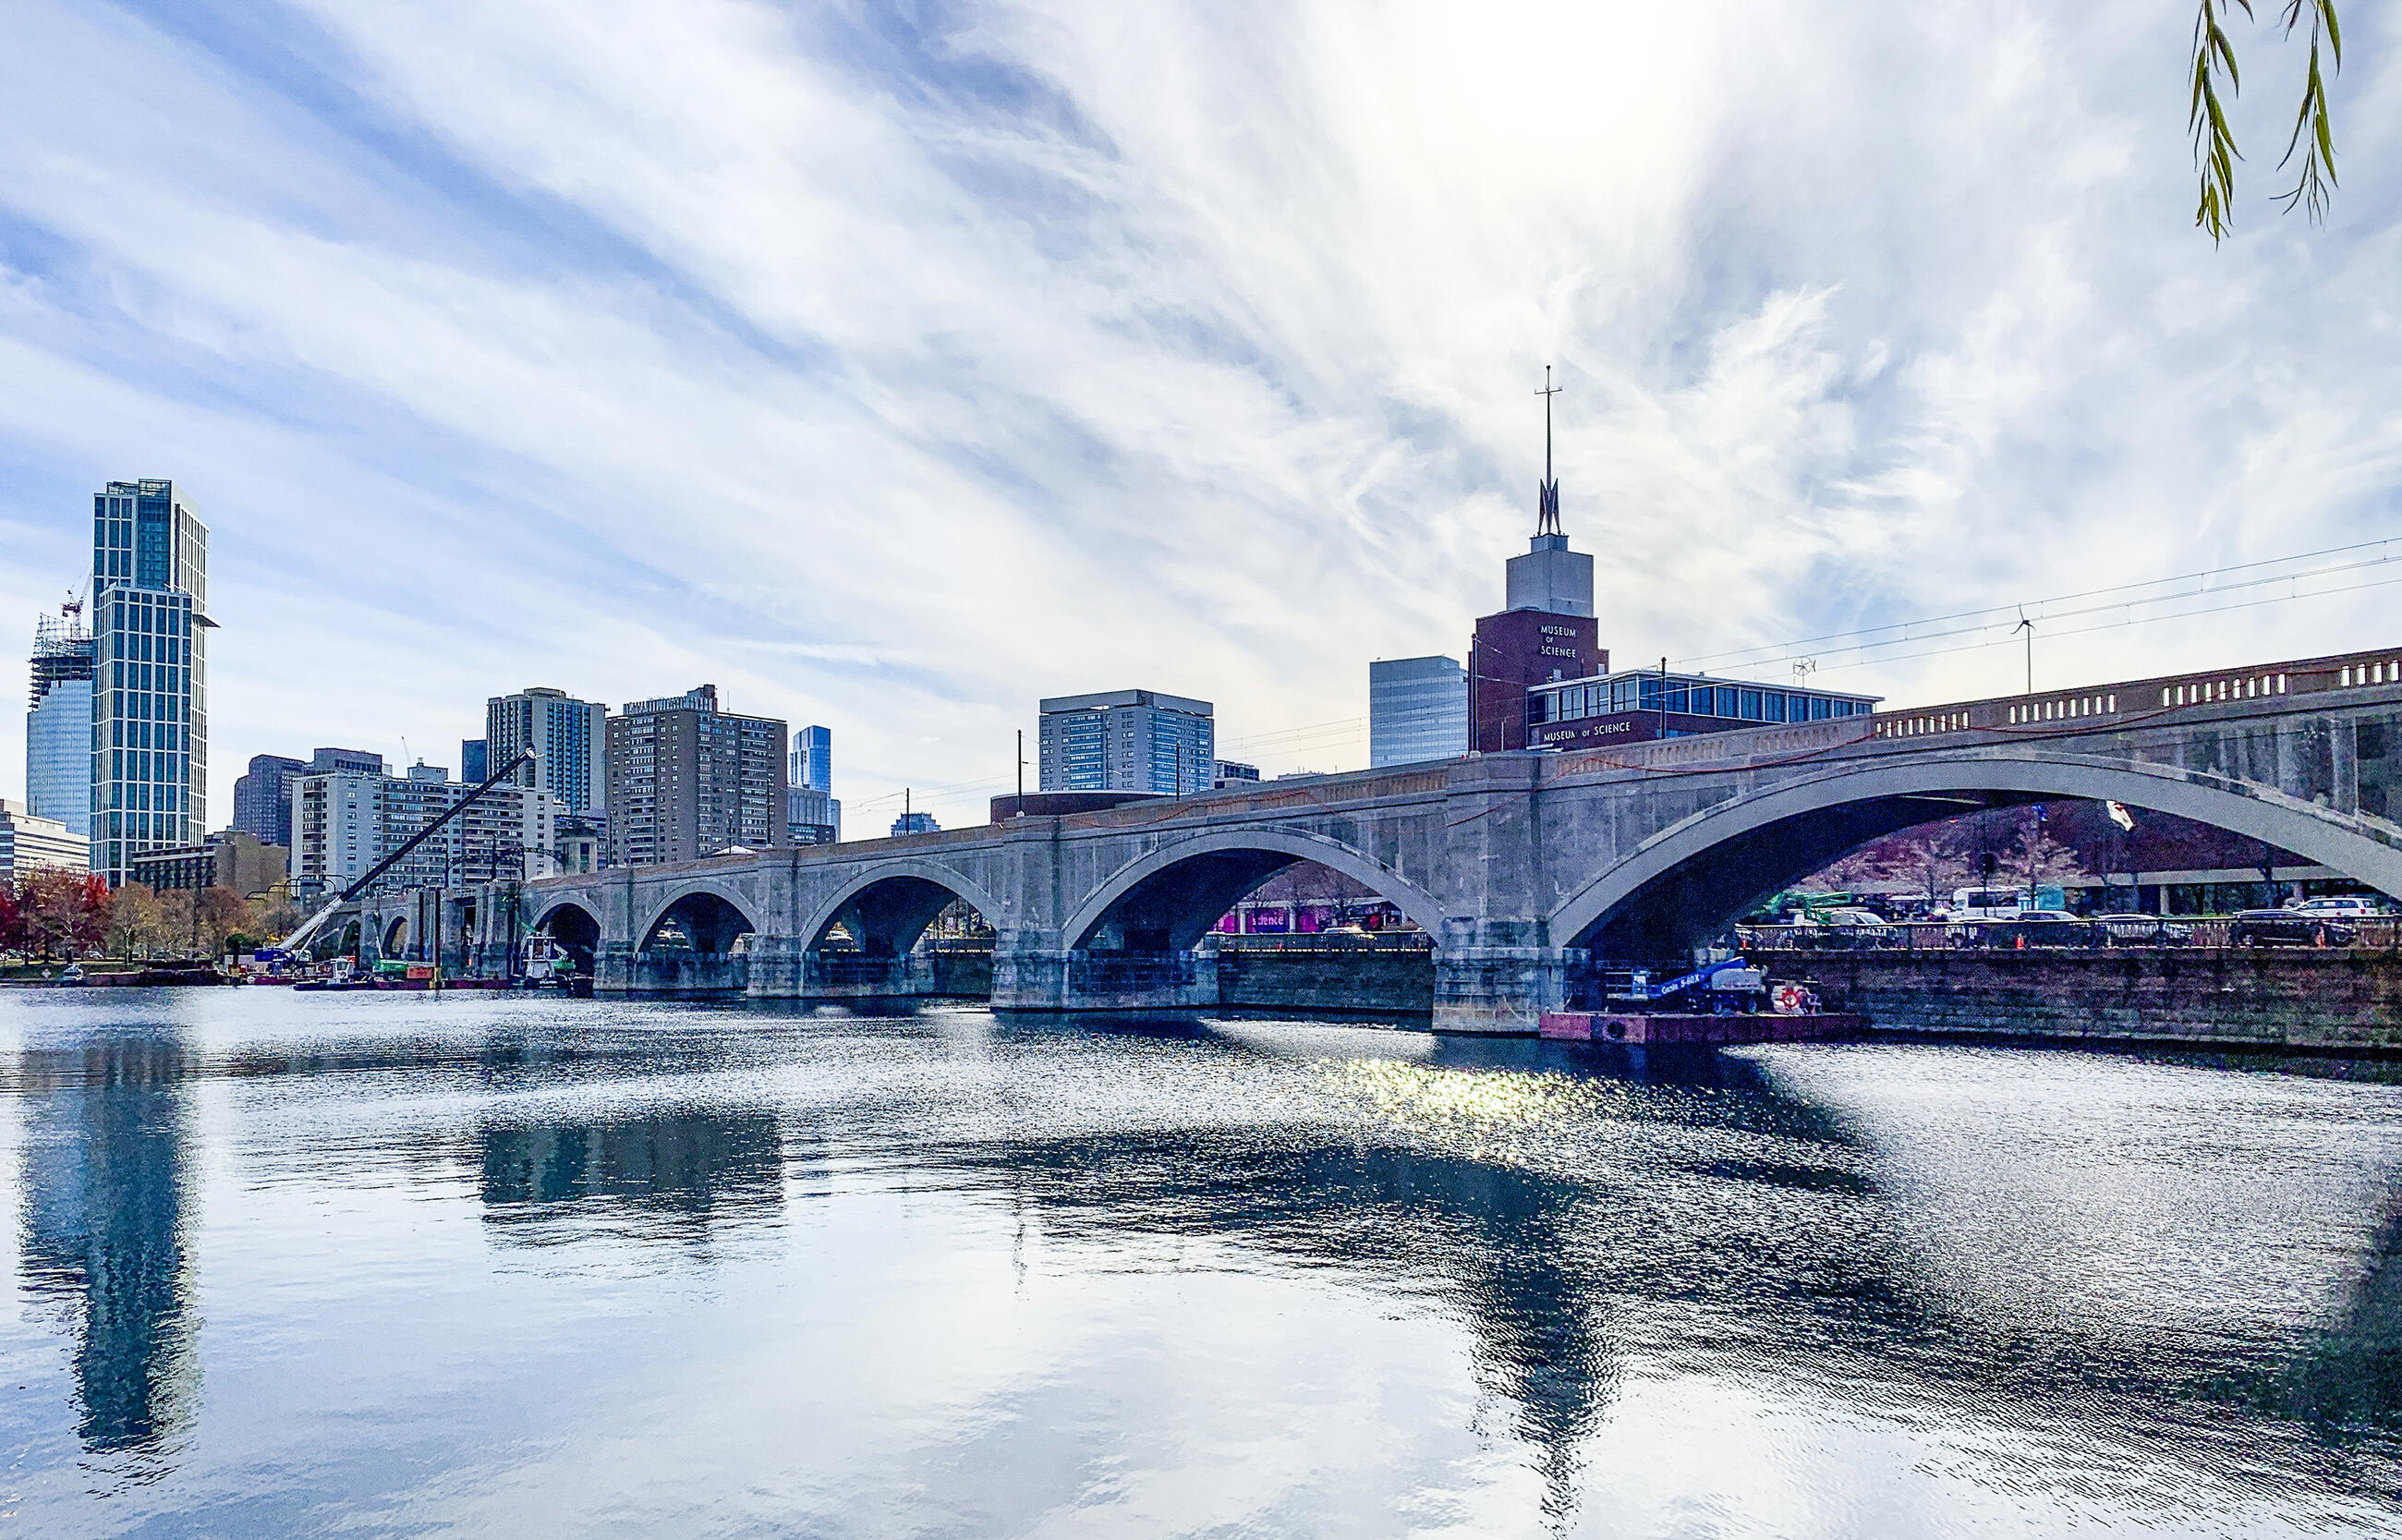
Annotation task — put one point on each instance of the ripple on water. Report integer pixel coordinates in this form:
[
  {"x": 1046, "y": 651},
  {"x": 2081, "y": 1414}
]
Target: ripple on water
[{"x": 394, "y": 1263}]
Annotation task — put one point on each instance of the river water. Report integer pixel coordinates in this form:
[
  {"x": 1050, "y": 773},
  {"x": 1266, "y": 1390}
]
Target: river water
[{"x": 390, "y": 1265}]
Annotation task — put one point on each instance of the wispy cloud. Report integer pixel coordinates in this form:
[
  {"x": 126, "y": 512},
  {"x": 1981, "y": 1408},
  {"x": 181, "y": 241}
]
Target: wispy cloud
[{"x": 893, "y": 368}]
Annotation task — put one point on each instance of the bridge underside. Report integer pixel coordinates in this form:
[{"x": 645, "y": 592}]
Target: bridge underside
[{"x": 1701, "y": 898}]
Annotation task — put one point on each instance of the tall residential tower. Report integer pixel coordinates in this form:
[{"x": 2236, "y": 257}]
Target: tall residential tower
[
  {"x": 149, "y": 713},
  {"x": 567, "y": 737},
  {"x": 687, "y": 780}
]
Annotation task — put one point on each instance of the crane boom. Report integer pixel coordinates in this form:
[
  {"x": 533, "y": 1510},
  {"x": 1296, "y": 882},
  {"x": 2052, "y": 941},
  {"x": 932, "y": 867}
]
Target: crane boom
[{"x": 316, "y": 922}]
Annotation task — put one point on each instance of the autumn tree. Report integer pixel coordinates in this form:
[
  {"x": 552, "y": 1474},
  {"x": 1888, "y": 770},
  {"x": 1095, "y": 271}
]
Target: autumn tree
[
  {"x": 223, "y": 913},
  {"x": 14, "y": 936},
  {"x": 135, "y": 919},
  {"x": 62, "y": 911}
]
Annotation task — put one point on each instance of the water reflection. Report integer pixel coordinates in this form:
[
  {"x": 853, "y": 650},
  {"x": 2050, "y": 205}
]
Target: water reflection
[
  {"x": 1957, "y": 1272},
  {"x": 2349, "y": 1380},
  {"x": 675, "y": 1172},
  {"x": 103, "y": 1231}
]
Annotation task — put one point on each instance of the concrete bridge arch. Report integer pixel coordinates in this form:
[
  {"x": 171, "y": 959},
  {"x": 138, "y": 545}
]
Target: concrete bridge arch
[
  {"x": 1179, "y": 891},
  {"x": 1692, "y": 880},
  {"x": 893, "y": 902},
  {"x": 572, "y": 924},
  {"x": 705, "y": 923}
]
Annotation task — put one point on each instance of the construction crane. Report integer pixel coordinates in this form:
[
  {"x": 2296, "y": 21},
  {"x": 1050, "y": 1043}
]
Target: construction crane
[{"x": 299, "y": 938}]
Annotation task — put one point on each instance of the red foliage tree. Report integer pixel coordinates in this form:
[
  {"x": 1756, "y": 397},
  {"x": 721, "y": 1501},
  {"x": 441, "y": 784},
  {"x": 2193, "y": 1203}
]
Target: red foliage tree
[{"x": 12, "y": 920}]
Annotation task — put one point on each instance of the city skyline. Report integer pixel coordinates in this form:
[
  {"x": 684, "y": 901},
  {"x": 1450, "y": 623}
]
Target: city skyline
[{"x": 1070, "y": 431}]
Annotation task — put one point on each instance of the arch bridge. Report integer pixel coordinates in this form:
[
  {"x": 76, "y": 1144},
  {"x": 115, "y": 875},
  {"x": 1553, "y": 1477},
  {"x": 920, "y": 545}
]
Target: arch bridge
[{"x": 1520, "y": 866}]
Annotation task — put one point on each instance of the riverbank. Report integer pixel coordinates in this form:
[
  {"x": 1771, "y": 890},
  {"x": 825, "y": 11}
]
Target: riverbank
[{"x": 2300, "y": 999}]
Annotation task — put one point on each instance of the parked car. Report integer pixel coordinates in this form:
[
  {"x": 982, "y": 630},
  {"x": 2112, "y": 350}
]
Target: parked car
[
  {"x": 2349, "y": 906},
  {"x": 2288, "y": 927},
  {"x": 2030, "y": 928},
  {"x": 1847, "y": 930},
  {"x": 2142, "y": 930}
]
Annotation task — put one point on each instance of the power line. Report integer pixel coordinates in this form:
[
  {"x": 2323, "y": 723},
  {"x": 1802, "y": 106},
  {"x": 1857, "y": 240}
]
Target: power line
[
  {"x": 2108, "y": 626},
  {"x": 1875, "y": 637}
]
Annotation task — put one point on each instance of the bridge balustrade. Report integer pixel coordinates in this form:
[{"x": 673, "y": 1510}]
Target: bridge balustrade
[{"x": 2204, "y": 933}]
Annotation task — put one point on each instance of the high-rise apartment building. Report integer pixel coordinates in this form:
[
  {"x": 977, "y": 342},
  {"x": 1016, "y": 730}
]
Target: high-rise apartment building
[
  {"x": 475, "y": 763},
  {"x": 567, "y": 738},
  {"x": 345, "y": 821},
  {"x": 262, "y": 798},
  {"x": 149, "y": 713},
  {"x": 1127, "y": 740},
  {"x": 686, "y": 781},
  {"x": 58, "y": 724},
  {"x": 1418, "y": 710}
]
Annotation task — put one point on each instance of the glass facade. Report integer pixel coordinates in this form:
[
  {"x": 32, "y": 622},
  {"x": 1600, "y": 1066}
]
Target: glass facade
[
  {"x": 148, "y": 741},
  {"x": 58, "y": 755},
  {"x": 1418, "y": 710},
  {"x": 1689, "y": 696},
  {"x": 57, "y": 724},
  {"x": 812, "y": 768}
]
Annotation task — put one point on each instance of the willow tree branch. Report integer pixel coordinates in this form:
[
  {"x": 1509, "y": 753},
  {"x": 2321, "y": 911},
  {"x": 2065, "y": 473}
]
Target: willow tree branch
[{"x": 2215, "y": 80}]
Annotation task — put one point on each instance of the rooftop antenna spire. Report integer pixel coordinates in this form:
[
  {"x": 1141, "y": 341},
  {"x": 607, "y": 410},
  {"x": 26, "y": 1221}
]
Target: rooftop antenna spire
[{"x": 1547, "y": 499}]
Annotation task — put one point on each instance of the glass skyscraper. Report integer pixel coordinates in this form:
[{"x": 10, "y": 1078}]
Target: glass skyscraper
[
  {"x": 813, "y": 760},
  {"x": 1418, "y": 710},
  {"x": 149, "y": 707},
  {"x": 58, "y": 727},
  {"x": 812, "y": 813}
]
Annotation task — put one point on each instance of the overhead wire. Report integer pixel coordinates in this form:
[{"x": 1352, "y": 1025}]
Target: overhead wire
[
  {"x": 2118, "y": 597},
  {"x": 1346, "y": 730}
]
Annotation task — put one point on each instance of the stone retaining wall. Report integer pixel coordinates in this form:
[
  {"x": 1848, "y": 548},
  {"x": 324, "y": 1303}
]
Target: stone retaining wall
[
  {"x": 1382, "y": 982},
  {"x": 2331, "y": 1000}
]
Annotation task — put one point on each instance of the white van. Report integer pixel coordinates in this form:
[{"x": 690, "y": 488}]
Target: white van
[{"x": 1988, "y": 903}]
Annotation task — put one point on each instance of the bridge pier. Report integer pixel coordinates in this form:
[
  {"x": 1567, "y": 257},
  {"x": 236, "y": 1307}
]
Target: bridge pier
[
  {"x": 1497, "y": 977},
  {"x": 612, "y": 969},
  {"x": 1049, "y": 978},
  {"x": 830, "y": 975},
  {"x": 1497, "y": 991}
]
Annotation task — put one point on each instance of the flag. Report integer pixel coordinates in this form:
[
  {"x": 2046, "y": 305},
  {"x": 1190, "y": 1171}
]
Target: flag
[{"x": 2120, "y": 815}]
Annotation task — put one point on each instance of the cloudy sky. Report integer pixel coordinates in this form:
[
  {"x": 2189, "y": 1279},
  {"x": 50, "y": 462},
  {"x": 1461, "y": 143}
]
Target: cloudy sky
[{"x": 893, "y": 366}]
